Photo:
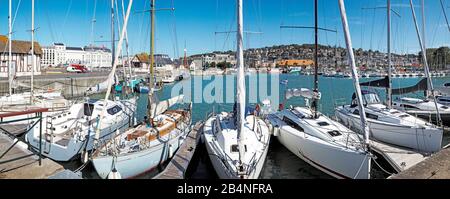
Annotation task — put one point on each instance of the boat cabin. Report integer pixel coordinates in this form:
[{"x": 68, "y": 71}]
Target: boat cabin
[{"x": 369, "y": 97}]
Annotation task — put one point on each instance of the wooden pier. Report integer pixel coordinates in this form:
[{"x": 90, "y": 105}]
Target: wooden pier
[
  {"x": 435, "y": 167},
  {"x": 399, "y": 158},
  {"x": 177, "y": 167}
]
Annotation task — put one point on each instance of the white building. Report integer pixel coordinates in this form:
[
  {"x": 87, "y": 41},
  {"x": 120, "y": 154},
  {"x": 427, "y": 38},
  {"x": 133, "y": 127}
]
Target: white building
[{"x": 91, "y": 56}]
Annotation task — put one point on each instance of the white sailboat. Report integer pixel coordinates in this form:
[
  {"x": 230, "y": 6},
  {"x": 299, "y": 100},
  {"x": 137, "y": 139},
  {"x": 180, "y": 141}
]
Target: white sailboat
[
  {"x": 72, "y": 132},
  {"x": 237, "y": 143},
  {"x": 12, "y": 102},
  {"x": 148, "y": 145},
  {"x": 321, "y": 142},
  {"x": 388, "y": 124},
  {"x": 428, "y": 109}
]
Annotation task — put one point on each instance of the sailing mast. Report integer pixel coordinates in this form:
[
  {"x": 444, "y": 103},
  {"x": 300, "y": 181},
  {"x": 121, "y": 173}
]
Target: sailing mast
[
  {"x": 389, "y": 89},
  {"x": 240, "y": 80},
  {"x": 425, "y": 62},
  {"x": 33, "y": 64},
  {"x": 152, "y": 41},
  {"x": 113, "y": 35},
  {"x": 111, "y": 75},
  {"x": 316, "y": 59},
  {"x": 126, "y": 42},
  {"x": 10, "y": 67},
  {"x": 354, "y": 73}
]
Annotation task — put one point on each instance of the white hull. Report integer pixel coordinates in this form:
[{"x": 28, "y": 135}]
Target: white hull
[
  {"x": 340, "y": 156},
  {"x": 422, "y": 139},
  {"x": 226, "y": 169},
  {"x": 64, "y": 147},
  {"x": 331, "y": 160}
]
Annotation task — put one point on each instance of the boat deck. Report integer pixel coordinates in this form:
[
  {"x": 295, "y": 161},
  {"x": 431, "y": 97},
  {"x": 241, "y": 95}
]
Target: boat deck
[
  {"x": 180, "y": 162},
  {"x": 399, "y": 158}
]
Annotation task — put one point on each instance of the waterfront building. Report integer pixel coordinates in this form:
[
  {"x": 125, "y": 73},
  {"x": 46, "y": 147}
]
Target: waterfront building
[
  {"x": 161, "y": 62},
  {"x": 21, "y": 57},
  {"x": 92, "y": 56}
]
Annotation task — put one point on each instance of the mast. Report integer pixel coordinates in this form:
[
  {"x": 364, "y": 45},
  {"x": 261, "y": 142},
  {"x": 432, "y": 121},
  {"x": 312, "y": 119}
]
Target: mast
[
  {"x": 316, "y": 58},
  {"x": 152, "y": 40},
  {"x": 240, "y": 78},
  {"x": 389, "y": 89},
  {"x": 355, "y": 78},
  {"x": 425, "y": 62},
  {"x": 424, "y": 42},
  {"x": 111, "y": 75},
  {"x": 33, "y": 61},
  {"x": 126, "y": 42},
  {"x": 10, "y": 67},
  {"x": 113, "y": 35}
]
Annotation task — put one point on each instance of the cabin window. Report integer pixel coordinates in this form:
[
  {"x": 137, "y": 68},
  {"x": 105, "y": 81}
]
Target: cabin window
[
  {"x": 323, "y": 124},
  {"x": 114, "y": 110},
  {"x": 444, "y": 100},
  {"x": 334, "y": 133},
  {"x": 406, "y": 106},
  {"x": 372, "y": 116},
  {"x": 404, "y": 116},
  {"x": 235, "y": 148},
  {"x": 293, "y": 124},
  {"x": 356, "y": 112}
]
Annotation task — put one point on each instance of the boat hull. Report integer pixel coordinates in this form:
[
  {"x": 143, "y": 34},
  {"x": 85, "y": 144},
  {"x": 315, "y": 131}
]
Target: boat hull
[
  {"x": 422, "y": 139},
  {"x": 73, "y": 147},
  {"x": 430, "y": 116},
  {"x": 350, "y": 164},
  {"x": 135, "y": 164}
]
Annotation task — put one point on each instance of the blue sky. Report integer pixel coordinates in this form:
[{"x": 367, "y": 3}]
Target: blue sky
[{"x": 195, "y": 21}]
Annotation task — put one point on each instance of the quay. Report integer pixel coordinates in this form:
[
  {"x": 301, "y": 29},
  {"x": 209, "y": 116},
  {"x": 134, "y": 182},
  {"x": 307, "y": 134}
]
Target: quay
[
  {"x": 16, "y": 160},
  {"x": 399, "y": 158},
  {"x": 435, "y": 167},
  {"x": 176, "y": 169}
]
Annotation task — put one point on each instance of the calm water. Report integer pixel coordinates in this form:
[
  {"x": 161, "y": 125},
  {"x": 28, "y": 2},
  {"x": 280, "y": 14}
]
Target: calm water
[{"x": 280, "y": 162}]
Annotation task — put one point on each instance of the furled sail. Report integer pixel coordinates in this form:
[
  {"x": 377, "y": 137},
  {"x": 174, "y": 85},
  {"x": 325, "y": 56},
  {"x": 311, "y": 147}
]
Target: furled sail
[
  {"x": 421, "y": 86},
  {"x": 303, "y": 92},
  {"x": 101, "y": 87},
  {"x": 380, "y": 83},
  {"x": 161, "y": 107}
]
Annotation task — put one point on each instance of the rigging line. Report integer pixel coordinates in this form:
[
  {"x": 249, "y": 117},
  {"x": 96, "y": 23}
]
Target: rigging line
[
  {"x": 65, "y": 18},
  {"x": 141, "y": 25},
  {"x": 15, "y": 14},
  {"x": 93, "y": 22},
  {"x": 445, "y": 14},
  {"x": 177, "y": 49}
]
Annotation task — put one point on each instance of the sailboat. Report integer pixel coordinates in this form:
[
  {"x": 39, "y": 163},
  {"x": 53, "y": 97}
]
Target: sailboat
[
  {"x": 237, "y": 142},
  {"x": 52, "y": 100},
  {"x": 72, "y": 132},
  {"x": 321, "y": 142},
  {"x": 428, "y": 109},
  {"x": 150, "y": 144},
  {"x": 387, "y": 124}
]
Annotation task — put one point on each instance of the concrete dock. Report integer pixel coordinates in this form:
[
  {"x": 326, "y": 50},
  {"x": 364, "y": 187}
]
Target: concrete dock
[
  {"x": 25, "y": 168},
  {"x": 177, "y": 167},
  {"x": 399, "y": 158},
  {"x": 435, "y": 167}
]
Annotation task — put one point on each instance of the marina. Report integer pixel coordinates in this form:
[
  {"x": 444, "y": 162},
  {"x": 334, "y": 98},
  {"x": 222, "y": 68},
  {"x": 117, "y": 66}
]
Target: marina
[{"x": 291, "y": 111}]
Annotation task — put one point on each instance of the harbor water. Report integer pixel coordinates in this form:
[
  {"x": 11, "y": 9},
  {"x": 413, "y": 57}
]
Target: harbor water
[{"x": 280, "y": 163}]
